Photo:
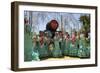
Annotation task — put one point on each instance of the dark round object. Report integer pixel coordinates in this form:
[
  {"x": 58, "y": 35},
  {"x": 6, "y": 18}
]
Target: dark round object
[
  {"x": 54, "y": 24},
  {"x": 52, "y": 27}
]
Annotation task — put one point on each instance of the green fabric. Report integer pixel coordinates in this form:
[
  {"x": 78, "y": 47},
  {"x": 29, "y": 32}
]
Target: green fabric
[
  {"x": 67, "y": 47},
  {"x": 35, "y": 53},
  {"x": 88, "y": 52},
  {"x": 63, "y": 46},
  {"x": 27, "y": 44},
  {"x": 82, "y": 53},
  {"x": 84, "y": 50},
  {"x": 43, "y": 51},
  {"x": 35, "y": 56},
  {"x": 73, "y": 49},
  {"x": 56, "y": 52}
]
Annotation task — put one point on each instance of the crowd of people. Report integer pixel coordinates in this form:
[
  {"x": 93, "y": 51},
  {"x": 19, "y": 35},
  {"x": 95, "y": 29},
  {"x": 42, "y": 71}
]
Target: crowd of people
[{"x": 62, "y": 44}]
